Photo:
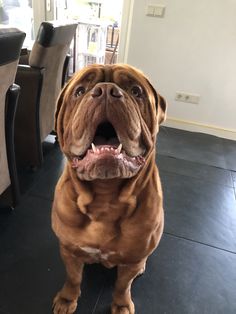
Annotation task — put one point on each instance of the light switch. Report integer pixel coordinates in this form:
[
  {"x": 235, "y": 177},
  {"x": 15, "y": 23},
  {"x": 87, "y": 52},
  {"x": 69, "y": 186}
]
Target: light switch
[
  {"x": 150, "y": 10},
  {"x": 159, "y": 10},
  {"x": 155, "y": 10}
]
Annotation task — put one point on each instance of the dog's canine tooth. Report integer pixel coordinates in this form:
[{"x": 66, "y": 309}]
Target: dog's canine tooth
[
  {"x": 118, "y": 150},
  {"x": 94, "y": 148}
]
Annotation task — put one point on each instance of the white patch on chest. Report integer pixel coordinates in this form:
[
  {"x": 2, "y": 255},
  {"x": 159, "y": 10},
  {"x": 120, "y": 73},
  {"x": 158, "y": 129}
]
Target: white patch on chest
[{"x": 96, "y": 253}]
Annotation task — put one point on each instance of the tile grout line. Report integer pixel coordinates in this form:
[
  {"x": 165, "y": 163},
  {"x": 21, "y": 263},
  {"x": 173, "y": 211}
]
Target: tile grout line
[
  {"x": 234, "y": 192},
  {"x": 42, "y": 197},
  {"x": 198, "y": 163},
  {"x": 234, "y": 184},
  {"x": 98, "y": 299},
  {"x": 192, "y": 161},
  {"x": 193, "y": 177},
  {"x": 198, "y": 242},
  {"x": 35, "y": 195}
]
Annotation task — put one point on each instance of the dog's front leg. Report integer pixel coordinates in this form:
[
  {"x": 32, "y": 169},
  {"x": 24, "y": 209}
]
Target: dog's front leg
[
  {"x": 122, "y": 302},
  {"x": 65, "y": 302}
]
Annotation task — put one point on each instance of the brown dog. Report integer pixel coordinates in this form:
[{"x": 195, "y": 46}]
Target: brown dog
[{"x": 108, "y": 202}]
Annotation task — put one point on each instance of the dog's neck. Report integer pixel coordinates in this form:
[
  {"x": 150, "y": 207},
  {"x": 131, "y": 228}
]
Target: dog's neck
[
  {"x": 104, "y": 187},
  {"x": 106, "y": 204},
  {"x": 122, "y": 189}
]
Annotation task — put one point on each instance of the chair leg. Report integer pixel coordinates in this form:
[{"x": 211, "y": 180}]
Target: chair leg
[
  {"x": 65, "y": 70},
  {"x": 12, "y": 98}
]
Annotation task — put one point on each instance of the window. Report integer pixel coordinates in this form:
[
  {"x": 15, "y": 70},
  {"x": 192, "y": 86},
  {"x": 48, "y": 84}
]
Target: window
[{"x": 18, "y": 13}]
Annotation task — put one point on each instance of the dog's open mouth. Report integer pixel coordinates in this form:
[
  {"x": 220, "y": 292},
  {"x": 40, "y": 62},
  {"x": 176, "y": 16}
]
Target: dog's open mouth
[
  {"x": 105, "y": 135},
  {"x": 106, "y": 157}
]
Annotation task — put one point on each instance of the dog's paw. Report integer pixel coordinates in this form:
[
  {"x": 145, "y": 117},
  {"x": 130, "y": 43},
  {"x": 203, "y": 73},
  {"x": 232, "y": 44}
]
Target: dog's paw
[
  {"x": 122, "y": 309},
  {"x": 63, "y": 306}
]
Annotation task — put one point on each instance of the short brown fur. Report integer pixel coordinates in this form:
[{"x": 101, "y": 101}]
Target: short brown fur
[{"x": 115, "y": 221}]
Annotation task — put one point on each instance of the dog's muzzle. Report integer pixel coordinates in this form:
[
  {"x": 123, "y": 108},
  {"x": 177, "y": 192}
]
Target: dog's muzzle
[{"x": 113, "y": 149}]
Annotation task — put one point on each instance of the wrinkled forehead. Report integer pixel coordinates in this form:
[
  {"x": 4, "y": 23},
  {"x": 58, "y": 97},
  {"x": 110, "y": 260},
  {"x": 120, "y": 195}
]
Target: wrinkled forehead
[
  {"x": 118, "y": 74},
  {"x": 125, "y": 76}
]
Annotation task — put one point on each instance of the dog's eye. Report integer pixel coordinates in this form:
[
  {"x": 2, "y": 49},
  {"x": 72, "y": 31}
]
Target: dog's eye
[
  {"x": 79, "y": 91},
  {"x": 136, "y": 91}
]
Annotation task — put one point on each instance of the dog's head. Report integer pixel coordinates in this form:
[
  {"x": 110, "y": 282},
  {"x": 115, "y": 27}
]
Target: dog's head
[{"x": 107, "y": 119}]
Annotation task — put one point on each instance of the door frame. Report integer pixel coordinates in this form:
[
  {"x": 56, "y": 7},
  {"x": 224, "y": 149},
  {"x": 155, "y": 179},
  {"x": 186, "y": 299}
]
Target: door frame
[
  {"x": 126, "y": 23},
  {"x": 41, "y": 14}
]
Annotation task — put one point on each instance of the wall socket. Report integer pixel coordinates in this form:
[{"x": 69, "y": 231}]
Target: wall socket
[{"x": 187, "y": 97}]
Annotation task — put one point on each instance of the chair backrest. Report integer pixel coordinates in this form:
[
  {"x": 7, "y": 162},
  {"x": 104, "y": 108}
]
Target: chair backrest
[
  {"x": 49, "y": 51},
  {"x": 11, "y": 40}
]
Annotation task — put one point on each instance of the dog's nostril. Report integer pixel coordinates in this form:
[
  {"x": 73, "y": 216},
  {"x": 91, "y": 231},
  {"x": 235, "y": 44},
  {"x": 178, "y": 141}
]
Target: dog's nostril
[
  {"x": 97, "y": 91},
  {"x": 115, "y": 92}
]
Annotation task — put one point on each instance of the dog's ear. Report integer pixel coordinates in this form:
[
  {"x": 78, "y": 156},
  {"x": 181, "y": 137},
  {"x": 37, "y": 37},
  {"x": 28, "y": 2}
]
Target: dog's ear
[
  {"x": 161, "y": 104},
  {"x": 162, "y": 107},
  {"x": 59, "y": 115},
  {"x": 58, "y": 108}
]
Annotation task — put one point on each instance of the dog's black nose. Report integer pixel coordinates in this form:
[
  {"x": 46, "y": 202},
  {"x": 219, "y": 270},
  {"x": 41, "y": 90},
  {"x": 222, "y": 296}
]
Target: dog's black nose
[
  {"x": 115, "y": 91},
  {"x": 96, "y": 91},
  {"x": 108, "y": 89}
]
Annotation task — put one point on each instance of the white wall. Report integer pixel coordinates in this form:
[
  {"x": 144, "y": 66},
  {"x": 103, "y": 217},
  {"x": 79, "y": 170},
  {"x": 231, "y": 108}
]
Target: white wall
[{"x": 191, "y": 49}]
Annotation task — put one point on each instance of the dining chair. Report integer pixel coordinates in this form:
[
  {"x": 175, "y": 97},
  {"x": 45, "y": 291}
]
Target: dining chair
[
  {"x": 11, "y": 41},
  {"x": 40, "y": 79}
]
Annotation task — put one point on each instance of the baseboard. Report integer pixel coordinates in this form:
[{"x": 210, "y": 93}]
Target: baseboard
[{"x": 201, "y": 128}]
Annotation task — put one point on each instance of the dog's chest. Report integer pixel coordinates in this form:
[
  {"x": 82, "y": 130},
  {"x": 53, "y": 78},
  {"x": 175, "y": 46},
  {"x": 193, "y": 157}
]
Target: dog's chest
[
  {"x": 99, "y": 243},
  {"x": 102, "y": 234},
  {"x": 97, "y": 254},
  {"x": 106, "y": 209},
  {"x": 104, "y": 225}
]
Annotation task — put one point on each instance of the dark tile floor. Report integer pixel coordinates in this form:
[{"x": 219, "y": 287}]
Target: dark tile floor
[{"x": 192, "y": 271}]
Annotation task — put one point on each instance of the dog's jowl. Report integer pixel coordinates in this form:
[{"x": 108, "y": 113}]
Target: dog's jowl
[{"x": 108, "y": 202}]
